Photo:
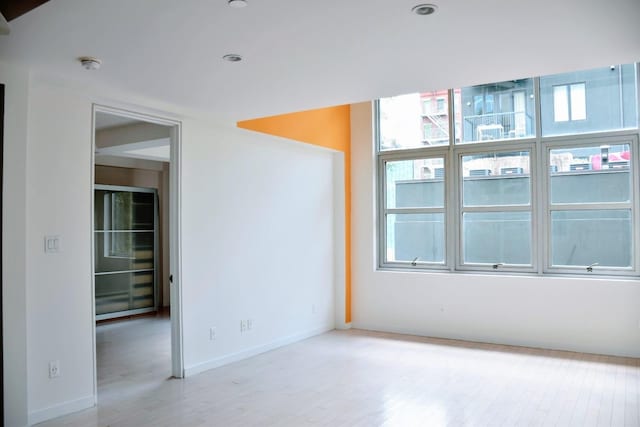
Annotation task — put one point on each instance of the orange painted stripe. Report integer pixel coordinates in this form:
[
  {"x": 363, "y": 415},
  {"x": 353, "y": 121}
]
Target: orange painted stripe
[{"x": 326, "y": 127}]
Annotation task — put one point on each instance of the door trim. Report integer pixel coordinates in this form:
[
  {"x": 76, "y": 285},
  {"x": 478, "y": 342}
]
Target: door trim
[{"x": 175, "y": 240}]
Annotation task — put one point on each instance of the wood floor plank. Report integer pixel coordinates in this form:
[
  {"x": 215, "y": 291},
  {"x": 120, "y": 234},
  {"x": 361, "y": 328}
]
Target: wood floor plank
[{"x": 358, "y": 378}]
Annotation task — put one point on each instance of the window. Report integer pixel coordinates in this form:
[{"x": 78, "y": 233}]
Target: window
[
  {"x": 495, "y": 111},
  {"x": 414, "y": 206},
  {"x": 495, "y": 195},
  {"x": 590, "y": 207},
  {"x": 426, "y": 106},
  {"x": 402, "y": 121},
  {"x": 496, "y": 209},
  {"x": 569, "y": 102}
]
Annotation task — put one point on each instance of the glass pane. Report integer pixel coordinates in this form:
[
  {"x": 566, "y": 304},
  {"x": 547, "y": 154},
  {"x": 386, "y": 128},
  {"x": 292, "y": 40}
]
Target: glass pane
[
  {"x": 123, "y": 210},
  {"x": 589, "y": 101},
  {"x": 582, "y": 238},
  {"x": 415, "y": 183},
  {"x": 414, "y": 120},
  {"x": 496, "y": 179},
  {"x": 496, "y": 237},
  {"x": 120, "y": 251},
  {"x": 493, "y": 111},
  {"x": 596, "y": 174},
  {"x": 417, "y": 237},
  {"x": 124, "y": 291}
]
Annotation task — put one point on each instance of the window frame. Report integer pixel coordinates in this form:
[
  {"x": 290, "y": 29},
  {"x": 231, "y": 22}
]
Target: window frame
[
  {"x": 617, "y": 138},
  {"x": 460, "y": 209},
  {"x": 435, "y": 152},
  {"x": 539, "y": 146}
]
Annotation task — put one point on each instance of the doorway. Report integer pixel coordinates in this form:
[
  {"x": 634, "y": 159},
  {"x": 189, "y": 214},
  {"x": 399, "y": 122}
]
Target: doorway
[{"x": 135, "y": 232}]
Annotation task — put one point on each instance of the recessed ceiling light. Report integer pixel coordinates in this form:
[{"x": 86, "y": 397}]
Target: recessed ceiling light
[
  {"x": 90, "y": 63},
  {"x": 238, "y": 3},
  {"x": 232, "y": 57},
  {"x": 424, "y": 9}
]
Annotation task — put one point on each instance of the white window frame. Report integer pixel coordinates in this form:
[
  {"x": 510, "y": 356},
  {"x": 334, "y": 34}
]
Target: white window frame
[
  {"x": 539, "y": 147},
  {"x": 404, "y": 155},
  {"x": 617, "y": 138},
  {"x": 466, "y": 150}
]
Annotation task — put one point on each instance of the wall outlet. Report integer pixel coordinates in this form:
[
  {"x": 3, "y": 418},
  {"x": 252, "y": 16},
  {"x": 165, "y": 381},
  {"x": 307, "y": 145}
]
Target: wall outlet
[
  {"x": 243, "y": 326},
  {"x": 249, "y": 324},
  {"x": 54, "y": 369},
  {"x": 212, "y": 334},
  {"x": 314, "y": 309}
]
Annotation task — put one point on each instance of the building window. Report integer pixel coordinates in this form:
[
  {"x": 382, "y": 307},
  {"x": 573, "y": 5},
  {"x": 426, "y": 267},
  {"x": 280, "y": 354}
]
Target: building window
[
  {"x": 569, "y": 102},
  {"x": 497, "y": 196},
  {"x": 426, "y": 106}
]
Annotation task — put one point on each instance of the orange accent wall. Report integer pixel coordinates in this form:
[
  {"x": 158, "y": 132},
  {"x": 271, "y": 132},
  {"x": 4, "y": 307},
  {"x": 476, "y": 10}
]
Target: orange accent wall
[{"x": 327, "y": 127}]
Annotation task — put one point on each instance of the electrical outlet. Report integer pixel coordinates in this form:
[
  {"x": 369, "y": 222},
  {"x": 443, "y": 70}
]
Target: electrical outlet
[
  {"x": 54, "y": 369},
  {"x": 249, "y": 324},
  {"x": 314, "y": 309},
  {"x": 212, "y": 334},
  {"x": 243, "y": 326}
]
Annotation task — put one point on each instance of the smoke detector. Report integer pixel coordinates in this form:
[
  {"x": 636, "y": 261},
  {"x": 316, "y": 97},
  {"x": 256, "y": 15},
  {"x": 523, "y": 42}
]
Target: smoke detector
[{"x": 90, "y": 63}]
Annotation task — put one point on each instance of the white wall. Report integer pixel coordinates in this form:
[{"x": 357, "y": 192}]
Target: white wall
[
  {"x": 589, "y": 315},
  {"x": 257, "y": 217},
  {"x": 13, "y": 244},
  {"x": 257, "y": 223}
]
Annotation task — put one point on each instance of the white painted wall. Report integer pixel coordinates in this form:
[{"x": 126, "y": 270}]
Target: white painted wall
[
  {"x": 258, "y": 240},
  {"x": 14, "y": 225},
  {"x": 589, "y": 315},
  {"x": 257, "y": 218}
]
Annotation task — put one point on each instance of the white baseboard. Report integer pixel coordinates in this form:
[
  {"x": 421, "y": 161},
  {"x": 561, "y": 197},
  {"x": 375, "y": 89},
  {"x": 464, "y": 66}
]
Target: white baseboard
[
  {"x": 65, "y": 408},
  {"x": 344, "y": 326},
  {"x": 253, "y": 351}
]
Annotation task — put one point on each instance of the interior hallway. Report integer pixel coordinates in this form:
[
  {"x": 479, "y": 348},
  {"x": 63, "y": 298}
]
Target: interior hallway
[{"x": 360, "y": 378}]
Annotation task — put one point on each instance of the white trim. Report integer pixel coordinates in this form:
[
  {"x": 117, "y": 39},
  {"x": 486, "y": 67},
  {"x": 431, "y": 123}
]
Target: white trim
[
  {"x": 254, "y": 351},
  {"x": 65, "y": 408},
  {"x": 177, "y": 348}
]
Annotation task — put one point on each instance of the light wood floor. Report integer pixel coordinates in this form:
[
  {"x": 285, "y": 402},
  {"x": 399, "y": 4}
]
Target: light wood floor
[{"x": 359, "y": 378}]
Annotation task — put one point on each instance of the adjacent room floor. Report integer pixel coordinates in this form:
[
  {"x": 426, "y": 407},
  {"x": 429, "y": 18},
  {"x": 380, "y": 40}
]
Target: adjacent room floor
[{"x": 359, "y": 378}]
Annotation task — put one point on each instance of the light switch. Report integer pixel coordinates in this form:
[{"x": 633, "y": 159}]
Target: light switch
[{"x": 51, "y": 244}]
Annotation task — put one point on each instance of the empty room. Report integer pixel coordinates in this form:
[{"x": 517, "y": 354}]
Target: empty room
[{"x": 362, "y": 213}]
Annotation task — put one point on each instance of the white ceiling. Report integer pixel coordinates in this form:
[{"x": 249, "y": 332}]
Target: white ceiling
[{"x": 301, "y": 54}]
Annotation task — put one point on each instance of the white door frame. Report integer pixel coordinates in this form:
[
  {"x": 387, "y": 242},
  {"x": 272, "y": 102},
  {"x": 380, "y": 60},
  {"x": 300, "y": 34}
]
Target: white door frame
[{"x": 175, "y": 240}]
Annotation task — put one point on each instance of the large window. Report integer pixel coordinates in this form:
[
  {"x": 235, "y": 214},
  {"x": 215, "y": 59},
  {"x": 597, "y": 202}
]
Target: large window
[{"x": 534, "y": 175}]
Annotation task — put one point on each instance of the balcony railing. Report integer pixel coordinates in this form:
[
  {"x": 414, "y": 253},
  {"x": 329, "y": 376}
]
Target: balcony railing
[{"x": 496, "y": 126}]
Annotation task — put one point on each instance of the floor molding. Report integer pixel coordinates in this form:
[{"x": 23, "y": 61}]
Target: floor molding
[
  {"x": 61, "y": 409},
  {"x": 254, "y": 351}
]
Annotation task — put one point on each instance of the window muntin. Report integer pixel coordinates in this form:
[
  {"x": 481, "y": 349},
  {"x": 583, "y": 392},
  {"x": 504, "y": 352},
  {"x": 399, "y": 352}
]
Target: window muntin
[
  {"x": 496, "y": 111},
  {"x": 413, "y": 121},
  {"x": 414, "y": 214},
  {"x": 602, "y": 99},
  {"x": 496, "y": 209}
]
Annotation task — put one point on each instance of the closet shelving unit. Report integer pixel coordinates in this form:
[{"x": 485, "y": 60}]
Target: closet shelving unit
[{"x": 126, "y": 241}]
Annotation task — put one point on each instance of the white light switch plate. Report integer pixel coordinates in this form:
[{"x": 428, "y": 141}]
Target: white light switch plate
[{"x": 51, "y": 244}]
